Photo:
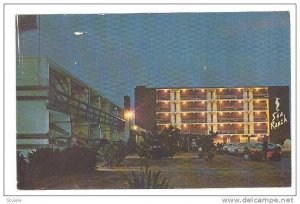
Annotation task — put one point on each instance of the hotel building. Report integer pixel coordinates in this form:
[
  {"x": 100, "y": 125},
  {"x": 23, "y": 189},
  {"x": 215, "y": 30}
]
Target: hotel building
[
  {"x": 237, "y": 114},
  {"x": 54, "y": 108}
]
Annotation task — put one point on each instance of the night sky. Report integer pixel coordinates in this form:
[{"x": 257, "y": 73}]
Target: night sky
[{"x": 120, "y": 51}]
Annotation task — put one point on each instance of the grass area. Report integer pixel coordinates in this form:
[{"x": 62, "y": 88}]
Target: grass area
[{"x": 186, "y": 171}]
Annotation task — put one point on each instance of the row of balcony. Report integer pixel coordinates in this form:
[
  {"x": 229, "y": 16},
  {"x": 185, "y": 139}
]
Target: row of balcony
[
  {"x": 63, "y": 102},
  {"x": 195, "y": 97},
  {"x": 220, "y": 120},
  {"x": 240, "y": 132},
  {"x": 225, "y": 108}
]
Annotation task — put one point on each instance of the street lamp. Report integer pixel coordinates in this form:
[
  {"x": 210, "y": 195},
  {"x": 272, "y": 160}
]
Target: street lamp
[{"x": 129, "y": 114}]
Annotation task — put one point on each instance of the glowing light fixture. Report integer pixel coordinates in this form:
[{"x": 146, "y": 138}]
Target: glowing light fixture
[{"x": 129, "y": 114}]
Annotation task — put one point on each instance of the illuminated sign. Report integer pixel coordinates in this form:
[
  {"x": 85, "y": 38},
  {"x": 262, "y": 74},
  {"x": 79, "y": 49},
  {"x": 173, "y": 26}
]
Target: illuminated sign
[
  {"x": 279, "y": 120},
  {"x": 278, "y": 117}
]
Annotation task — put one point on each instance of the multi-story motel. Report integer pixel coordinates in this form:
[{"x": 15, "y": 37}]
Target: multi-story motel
[
  {"x": 237, "y": 114},
  {"x": 54, "y": 108}
]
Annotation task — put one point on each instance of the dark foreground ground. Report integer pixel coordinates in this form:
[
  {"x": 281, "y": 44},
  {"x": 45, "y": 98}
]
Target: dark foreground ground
[{"x": 186, "y": 171}]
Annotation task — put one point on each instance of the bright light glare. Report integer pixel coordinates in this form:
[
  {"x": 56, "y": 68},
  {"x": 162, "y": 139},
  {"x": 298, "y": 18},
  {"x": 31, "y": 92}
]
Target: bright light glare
[{"x": 129, "y": 114}]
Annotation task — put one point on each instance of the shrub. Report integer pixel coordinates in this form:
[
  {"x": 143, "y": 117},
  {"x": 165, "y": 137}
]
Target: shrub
[
  {"x": 147, "y": 179},
  {"x": 159, "y": 144},
  {"x": 46, "y": 162},
  {"x": 112, "y": 154},
  {"x": 22, "y": 166}
]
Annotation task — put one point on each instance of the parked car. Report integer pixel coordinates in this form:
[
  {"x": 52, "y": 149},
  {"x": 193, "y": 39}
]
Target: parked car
[
  {"x": 273, "y": 152},
  {"x": 230, "y": 147},
  {"x": 243, "y": 148}
]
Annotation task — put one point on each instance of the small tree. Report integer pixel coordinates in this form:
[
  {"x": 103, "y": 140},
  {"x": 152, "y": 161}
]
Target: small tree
[{"x": 159, "y": 144}]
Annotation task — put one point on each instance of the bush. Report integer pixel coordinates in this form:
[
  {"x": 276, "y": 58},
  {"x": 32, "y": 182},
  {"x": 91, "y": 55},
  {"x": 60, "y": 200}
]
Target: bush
[
  {"x": 46, "y": 162},
  {"x": 112, "y": 154},
  {"x": 159, "y": 144},
  {"x": 22, "y": 166},
  {"x": 147, "y": 179}
]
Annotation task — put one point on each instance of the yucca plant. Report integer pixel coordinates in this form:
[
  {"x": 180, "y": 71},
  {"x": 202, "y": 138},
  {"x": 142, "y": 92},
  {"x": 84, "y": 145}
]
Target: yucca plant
[{"x": 147, "y": 179}]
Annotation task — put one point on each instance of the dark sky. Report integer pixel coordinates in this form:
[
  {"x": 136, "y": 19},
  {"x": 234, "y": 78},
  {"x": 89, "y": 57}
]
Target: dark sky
[{"x": 121, "y": 51}]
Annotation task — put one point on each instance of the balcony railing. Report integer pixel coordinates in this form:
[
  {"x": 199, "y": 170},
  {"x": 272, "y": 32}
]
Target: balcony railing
[
  {"x": 260, "y": 131},
  {"x": 193, "y": 132},
  {"x": 230, "y": 108},
  {"x": 193, "y": 120},
  {"x": 192, "y": 97},
  {"x": 60, "y": 101},
  {"x": 255, "y": 96},
  {"x": 229, "y": 96},
  {"x": 230, "y": 119},
  {"x": 260, "y": 107},
  {"x": 231, "y": 131},
  {"x": 260, "y": 119},
  {"x": 193, "y": 108}
]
